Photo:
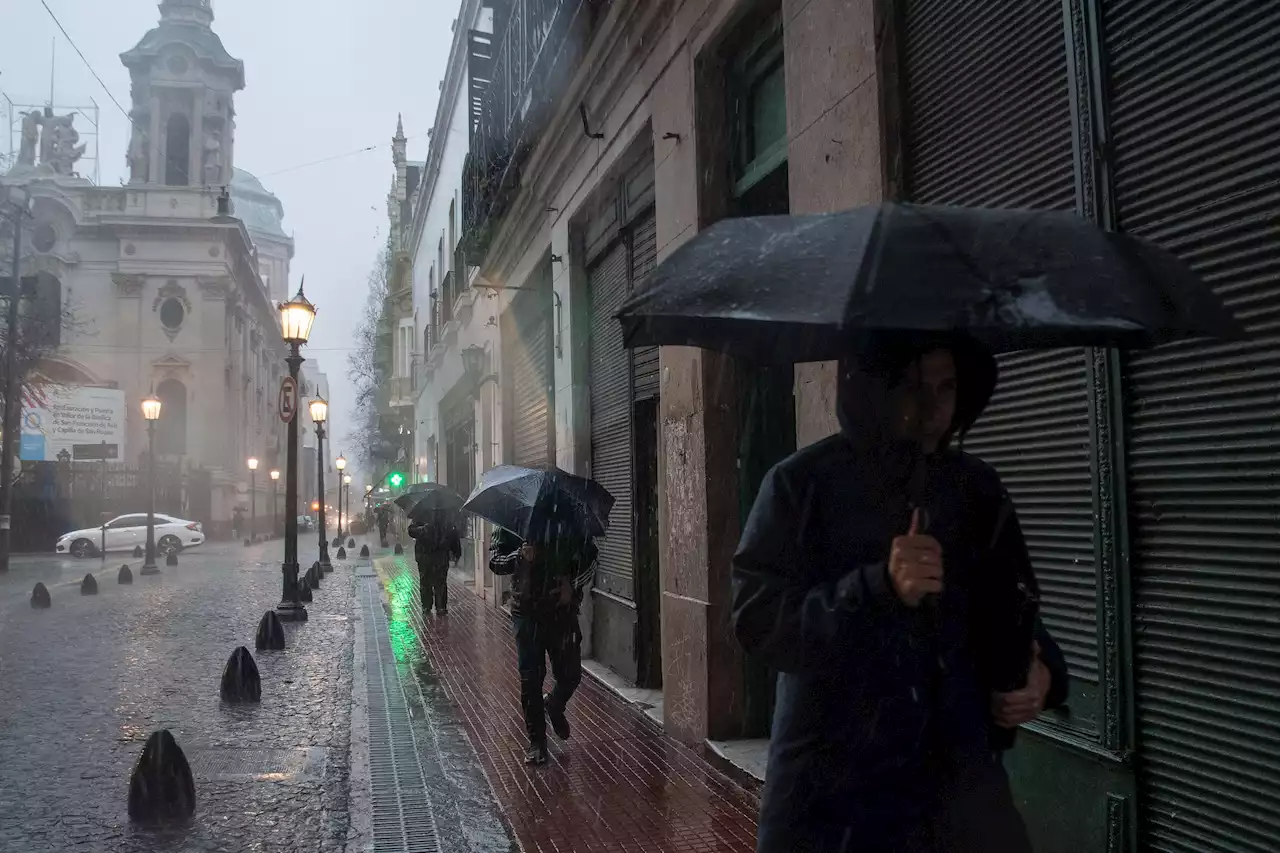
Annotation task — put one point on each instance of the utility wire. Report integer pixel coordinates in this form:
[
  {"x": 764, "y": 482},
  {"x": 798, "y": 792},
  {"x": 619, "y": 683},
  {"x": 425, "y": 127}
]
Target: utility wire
[{"x": 86, "y": 62}]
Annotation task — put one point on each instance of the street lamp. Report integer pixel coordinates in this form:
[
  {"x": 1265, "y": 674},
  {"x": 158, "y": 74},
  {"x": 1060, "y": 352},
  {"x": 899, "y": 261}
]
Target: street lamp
[
  {"x": 275, "y": 502},
  {"x": 9, "y": 427},
  {"x": 151, "y": 406},
  {"x": 346, "y": 484},
  {"x": 296, "y": 317},
  {"x": 253, "y": 497},
  {"x": 341, "y": 464},
  {"x": 319, "y": 414}
]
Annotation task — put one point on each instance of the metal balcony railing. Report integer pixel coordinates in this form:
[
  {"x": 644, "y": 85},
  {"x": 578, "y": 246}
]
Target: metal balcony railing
[{"x": 512, "y": 89}]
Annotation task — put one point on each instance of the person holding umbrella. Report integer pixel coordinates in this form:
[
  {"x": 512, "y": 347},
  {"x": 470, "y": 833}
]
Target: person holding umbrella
[
  {"x": 551, "y": 560},
  {"x": 882, "y": 571},
  {"x": 436, "y": 543}
]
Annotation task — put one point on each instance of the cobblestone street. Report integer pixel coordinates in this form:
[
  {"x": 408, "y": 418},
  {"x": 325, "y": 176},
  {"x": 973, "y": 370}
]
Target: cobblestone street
[{"x": 86, "y": 681}]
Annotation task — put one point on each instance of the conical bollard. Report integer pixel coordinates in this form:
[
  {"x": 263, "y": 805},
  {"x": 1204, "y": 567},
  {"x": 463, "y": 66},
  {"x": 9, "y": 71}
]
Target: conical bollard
[
  {"x": 137, "y": 550},
  {"x": 316, "y": 573},
  {"x": 240, "y": 679},
  {"x": 304, "y": 591},
  {"x": 89, "y": 586},
  {"x": 351, "y": 543},
  {"x": 40, "y": 597},
  {"x": 342, "y": 553},
  {"x": 161, "y": 787},
  {"x": 270, "y": 635},
  {"x": 171, "y": 559},
  {"x": 125, "y": 576},
  {"x": 335, "y": 543},
  {"x": 364, "y": 550},
  {"x": 399, "y": 549}
]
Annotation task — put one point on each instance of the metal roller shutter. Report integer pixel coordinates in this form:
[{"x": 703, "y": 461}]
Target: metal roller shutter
[
  {"x": 531, "y": 392},
  {"x": 611, "y": 417},
  {"x": 644, "y": 257},
  {"x": 1195, "y": 124},
  {"x": 989, "y": 124}
]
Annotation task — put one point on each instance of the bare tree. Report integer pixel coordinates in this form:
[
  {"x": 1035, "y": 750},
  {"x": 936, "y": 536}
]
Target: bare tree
[{"x": 368, "y": 369}]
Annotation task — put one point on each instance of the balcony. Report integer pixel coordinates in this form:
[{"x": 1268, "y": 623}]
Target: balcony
[{"x": 513, "y": 91}]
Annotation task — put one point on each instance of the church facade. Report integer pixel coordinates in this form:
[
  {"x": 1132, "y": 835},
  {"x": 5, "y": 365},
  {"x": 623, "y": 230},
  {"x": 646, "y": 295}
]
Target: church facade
[{"x": 157, "y": 292}]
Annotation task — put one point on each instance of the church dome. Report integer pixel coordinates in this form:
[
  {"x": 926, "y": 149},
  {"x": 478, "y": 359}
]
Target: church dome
[{"x": 255, "y": 206}]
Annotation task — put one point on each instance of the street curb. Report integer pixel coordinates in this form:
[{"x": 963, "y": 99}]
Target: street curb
[{"x": 360, "y": 806}]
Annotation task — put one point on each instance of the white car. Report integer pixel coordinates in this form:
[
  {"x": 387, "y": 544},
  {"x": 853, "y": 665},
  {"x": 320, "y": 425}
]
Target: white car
[{"x": 127, "y": 532}]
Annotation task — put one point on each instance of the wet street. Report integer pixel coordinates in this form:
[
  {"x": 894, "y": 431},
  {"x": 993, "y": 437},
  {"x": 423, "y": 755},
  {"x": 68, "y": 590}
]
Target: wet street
[
  {"x": 86, "y": 681},
  {"x": 378, "y": 730}
]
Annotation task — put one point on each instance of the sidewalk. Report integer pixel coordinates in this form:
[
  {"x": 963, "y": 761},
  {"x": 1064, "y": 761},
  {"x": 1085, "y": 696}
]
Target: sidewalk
[{"x": 618, "y": 784}]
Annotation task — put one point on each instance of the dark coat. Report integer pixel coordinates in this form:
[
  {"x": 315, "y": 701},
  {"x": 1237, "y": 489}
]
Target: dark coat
[
  {"x": 873, "y": 697},
  {"x": 535, "y": 584},
  {"x": 436, "y": 543}
]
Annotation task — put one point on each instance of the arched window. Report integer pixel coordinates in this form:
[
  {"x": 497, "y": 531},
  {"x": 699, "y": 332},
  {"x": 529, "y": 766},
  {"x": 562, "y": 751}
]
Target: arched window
[
  {"x": 171, "y": 429},
  {"x": 177, "y": 151}
]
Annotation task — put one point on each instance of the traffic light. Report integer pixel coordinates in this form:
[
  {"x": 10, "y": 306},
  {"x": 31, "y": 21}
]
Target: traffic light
[{"x": 395, "y": 479}]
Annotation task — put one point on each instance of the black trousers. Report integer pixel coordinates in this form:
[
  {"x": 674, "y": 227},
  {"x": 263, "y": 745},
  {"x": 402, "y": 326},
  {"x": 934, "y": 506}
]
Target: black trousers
[
  {"x": 547, "y": 634},
  {"x": 434, "y": 580}
]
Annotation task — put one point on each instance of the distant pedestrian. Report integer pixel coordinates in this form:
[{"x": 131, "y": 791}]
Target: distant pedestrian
[
  {"x": 549, "y": 572},
  {"x": 436, "y": 542},
  {"x": 383, "y": 520}
]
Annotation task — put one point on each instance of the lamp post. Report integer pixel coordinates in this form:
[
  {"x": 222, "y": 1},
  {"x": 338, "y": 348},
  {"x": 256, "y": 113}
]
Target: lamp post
[
  {"x": 341, "y": 464},
  {"x": 253, "y": 498},
  {"x": 9, "y": 427},
  {"x": 275, "y": 502},
  {"x": 346, "y": 484},
  {"x": 296, "y": 317},
  {"x": 319, "y": 414},
  {"x": 151, "y": 406}
]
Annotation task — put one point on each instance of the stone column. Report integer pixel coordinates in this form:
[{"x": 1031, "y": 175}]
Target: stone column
[
  {"x": 834, "y": 155},
  {"x": 698, "y": 521},
  {"x": 156, "y": 161},
  {"x": 197, "y": 138}
]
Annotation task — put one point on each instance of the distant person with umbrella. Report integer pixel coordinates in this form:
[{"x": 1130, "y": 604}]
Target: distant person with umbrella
[
  {"x": 433, "y": 525},
  {"x": 552, "y": 558},
  {"x": 384, "y": 519}
]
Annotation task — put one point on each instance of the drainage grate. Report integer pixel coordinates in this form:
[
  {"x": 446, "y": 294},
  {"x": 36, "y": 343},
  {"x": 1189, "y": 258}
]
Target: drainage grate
[
  {"x": 259, "y": 764},
  {"x": 404, "y": 818}
]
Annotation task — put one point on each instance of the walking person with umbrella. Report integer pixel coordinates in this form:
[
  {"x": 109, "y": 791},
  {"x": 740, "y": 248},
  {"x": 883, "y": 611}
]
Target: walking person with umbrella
[
  {"x": 882, "y": 571},
  {"x": 547, "y": 522},
  {"x": 433, "y": 526}
]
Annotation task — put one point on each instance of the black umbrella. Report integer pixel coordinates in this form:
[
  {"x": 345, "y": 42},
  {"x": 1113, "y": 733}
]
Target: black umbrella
[
  {"x": 426, "y": 500},
  {"x": 804, "y": 288},
  {"x": 528, "y": 500}
]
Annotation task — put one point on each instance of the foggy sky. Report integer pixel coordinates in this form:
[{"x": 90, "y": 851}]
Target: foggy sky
[{"x": 322, "y": 78}]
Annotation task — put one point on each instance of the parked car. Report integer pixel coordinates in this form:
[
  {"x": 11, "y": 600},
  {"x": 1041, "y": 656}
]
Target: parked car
[{"x": 126, "y": 532}]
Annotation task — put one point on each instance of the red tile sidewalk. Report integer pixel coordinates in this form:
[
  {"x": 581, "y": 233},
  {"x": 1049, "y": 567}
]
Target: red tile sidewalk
[{"x": 619, "y": 784}]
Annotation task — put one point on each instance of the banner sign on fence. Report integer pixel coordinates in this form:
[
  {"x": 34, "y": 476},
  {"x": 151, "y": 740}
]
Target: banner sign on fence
[{"x": 59, "y": 417}]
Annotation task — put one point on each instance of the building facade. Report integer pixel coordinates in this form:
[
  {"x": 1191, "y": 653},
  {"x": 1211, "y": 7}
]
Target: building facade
[
  {"x": 163, "y": 295},
  {"x": 607, "y": 134}
]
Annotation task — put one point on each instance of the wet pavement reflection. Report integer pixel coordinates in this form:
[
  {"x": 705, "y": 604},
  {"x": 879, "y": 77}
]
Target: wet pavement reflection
[{"x": 618, "y": 784}]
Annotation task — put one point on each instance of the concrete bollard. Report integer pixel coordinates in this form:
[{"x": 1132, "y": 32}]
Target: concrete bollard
[
  {"x": 137, "y": 550},
  {"x": 342, "y": 553},
  {"x": 40, "y": 597},
  {"x": 304, "y": 591},
  {"x": 161, "y": 787},
  {"x": 351, "y": 543},
  {"x": 270, "y": 635},
  {"x": 89, "y": 586},
  {"x": 241, "y": 681},
  {"x": 171, "y": 559},
  {"x": 125, "y": 575},
  {"x": 399, "y": 549},
  {"x": 364, "y": 550}
]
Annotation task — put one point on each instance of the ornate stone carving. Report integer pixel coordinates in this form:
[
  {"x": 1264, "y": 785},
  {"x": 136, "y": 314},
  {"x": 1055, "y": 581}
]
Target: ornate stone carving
[
  {"x": 128, "y": 285},
  {"x": 30, "y": 138},
  {"x": 213, "y": 158},
  {"x": 171, "y": 290},
  {"x": 139, "y": 156},
  {"x": 214, "y": 287}
]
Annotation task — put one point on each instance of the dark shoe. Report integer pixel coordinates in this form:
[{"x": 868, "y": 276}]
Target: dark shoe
[
  {"x": 536, "y": 754},
  {"x": 555, "y": 713}
]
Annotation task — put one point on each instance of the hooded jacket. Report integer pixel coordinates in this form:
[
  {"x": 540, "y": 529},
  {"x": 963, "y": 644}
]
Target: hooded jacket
[{"x": 873, "y": 697}]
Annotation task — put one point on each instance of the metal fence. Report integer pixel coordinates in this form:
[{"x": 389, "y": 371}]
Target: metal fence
[{"x": 52, "y": 498}]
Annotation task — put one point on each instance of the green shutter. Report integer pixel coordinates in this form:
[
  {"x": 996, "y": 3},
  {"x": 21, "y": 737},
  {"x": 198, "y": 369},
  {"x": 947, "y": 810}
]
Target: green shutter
[
  {"x": 1194, "y": 106},
  {"x": 988, "y": 124}
]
